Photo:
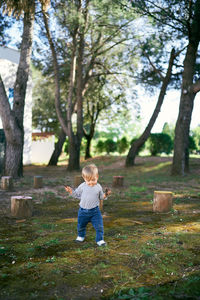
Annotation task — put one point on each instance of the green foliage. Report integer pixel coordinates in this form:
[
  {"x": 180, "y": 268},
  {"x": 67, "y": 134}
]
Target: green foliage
[
  {"x": 122, "y": 145},
  {"x": 110, "y": 146},
  {"x": 100, "y": 146},
  {"x": 107, "y": 146},
  {"x": 195, "y": 133},
  {"x": 44, "y": 115},
  {"x": 169, "y": 129},
  {"x": 140, "y": 293},
  {"x": 160, "y": 143},
  {"x": 192, "y": 144}
]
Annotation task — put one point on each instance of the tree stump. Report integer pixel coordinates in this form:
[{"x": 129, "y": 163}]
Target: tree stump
[
  {"x": 118, "y": 181},
  {"x": 78, "y": 179},
  {"x": 38, "y": 182},
  {"x": 6, "y": 183},
  {"x": 21, "y": 206},
  {"x": 162, "y": 201}
]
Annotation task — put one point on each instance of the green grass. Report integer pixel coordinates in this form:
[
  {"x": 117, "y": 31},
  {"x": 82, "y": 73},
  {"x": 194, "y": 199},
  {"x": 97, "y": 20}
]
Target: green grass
[{"x": 148, "y": 256}]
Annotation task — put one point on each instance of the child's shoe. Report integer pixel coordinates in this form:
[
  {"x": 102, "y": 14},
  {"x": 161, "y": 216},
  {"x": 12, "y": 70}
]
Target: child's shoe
[
  {"x": 101, "y": 243},
  {"x": 79, "y": 239}
]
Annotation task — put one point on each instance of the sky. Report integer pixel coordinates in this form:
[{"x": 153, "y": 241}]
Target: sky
[{"x": 169, "y": 111}]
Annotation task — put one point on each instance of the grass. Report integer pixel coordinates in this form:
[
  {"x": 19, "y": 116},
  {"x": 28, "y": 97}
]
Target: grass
[{"x": 148, "y": 256}]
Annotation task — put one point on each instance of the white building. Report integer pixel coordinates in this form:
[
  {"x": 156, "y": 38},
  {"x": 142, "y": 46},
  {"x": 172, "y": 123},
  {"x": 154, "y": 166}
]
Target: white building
[{"x": 9, "y": 60}]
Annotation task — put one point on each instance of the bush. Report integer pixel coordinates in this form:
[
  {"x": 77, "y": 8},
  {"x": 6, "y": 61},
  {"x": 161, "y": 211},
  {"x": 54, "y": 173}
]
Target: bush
[
  {"x": 192, "y": 144},
  {"x": 100, "y": 146},
  {"x": 122, "y": 145},
  {"x": 110, "y": 146},
  {"x": 159, "y": 143}
]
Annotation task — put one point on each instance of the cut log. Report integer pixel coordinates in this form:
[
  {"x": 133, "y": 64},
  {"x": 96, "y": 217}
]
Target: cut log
[
  {"x": 38, "y": 182},
  {"x": 118, "y": 181},
  {"x": 162, "y": 201},
  {"x": 78, "y": 179},
  {"x": 21, "y": 206},
  {"x": 6, "y": 183}
]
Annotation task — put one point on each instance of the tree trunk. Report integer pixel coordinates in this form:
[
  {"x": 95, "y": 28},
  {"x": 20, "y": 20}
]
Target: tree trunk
[
  {"x": 88, "y": 143},
  {"x": 76, "y": 138},
  {"x": 66, "y": 123},
  {"x": 58, "y": 149},
  {"x": 74, "y": 155},
  {"x": 180, "y": 163},
  {"x": 13, "y": 120},
  {"x": 90, "y": 135},
  {"x": 180, "y": 159},
  {"x": 130, "y": 159}
]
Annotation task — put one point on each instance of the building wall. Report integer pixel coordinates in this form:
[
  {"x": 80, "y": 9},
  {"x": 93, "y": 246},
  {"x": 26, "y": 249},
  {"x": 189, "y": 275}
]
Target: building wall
[
  {"x": 9, "y": 59},
  {"x": 42, "y": 150}
]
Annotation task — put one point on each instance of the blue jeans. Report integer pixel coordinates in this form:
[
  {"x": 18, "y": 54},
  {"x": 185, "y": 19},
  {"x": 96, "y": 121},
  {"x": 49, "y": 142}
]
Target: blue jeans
[{"x": 90, "y": 215}]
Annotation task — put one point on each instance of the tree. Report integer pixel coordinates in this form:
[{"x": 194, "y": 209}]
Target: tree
[
  {"x": 99, "y": 98},
  {"x": 160, "y": 143},
  {"x": 90, "y": 38},
  {"x": 188, "y": 92},
  {"x": 44, "y": 116},
  {"x": 76, "y": 32},
  {"x": 12, "y": 120},
  {"x": 181, "y": 21},
  {"x": 169, "y": 129},
  {"x": 137, "y": 144}
]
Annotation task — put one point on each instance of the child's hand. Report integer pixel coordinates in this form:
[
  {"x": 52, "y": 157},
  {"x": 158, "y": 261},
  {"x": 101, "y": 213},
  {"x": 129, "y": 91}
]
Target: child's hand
[
  {"x": 68, "y": 189},
  {"x": 107, "y": 192}
]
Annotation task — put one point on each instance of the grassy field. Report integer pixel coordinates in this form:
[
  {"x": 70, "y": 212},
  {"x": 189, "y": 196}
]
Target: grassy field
[{"x": 148, "y": 255}]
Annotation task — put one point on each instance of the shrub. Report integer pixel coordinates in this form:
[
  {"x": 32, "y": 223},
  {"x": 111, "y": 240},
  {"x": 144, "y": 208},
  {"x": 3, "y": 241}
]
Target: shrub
[
  {"x": 192, "y": 144},
  {"x": 100, "y": 146},
  {"x": 159, "y": 143},
  {"x": 110, "y": 146},
  {"x": 122, "y": 145}
]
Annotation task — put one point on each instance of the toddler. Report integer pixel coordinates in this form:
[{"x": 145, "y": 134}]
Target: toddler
[{"x": 90, "y": 194}]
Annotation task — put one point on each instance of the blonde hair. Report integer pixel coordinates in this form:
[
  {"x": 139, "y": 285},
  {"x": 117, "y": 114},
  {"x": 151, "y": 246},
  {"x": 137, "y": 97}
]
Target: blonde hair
[{"x": 89, "y": 172}]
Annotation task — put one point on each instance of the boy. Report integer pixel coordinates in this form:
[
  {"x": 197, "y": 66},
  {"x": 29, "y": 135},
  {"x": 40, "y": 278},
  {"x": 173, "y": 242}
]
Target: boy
[{"x": 90, "y": 194}]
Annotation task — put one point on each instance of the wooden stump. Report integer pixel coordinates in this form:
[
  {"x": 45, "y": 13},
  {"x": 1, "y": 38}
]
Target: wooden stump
[
  {"x": 38, "y": 182},
  {"x": 6, "y": 183},
  {"x": 118, "y": 181},
  {"x": 162, "y": 201},
  {"x": 78, "y": 179},
  {"x": 21, "y": 206}
]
